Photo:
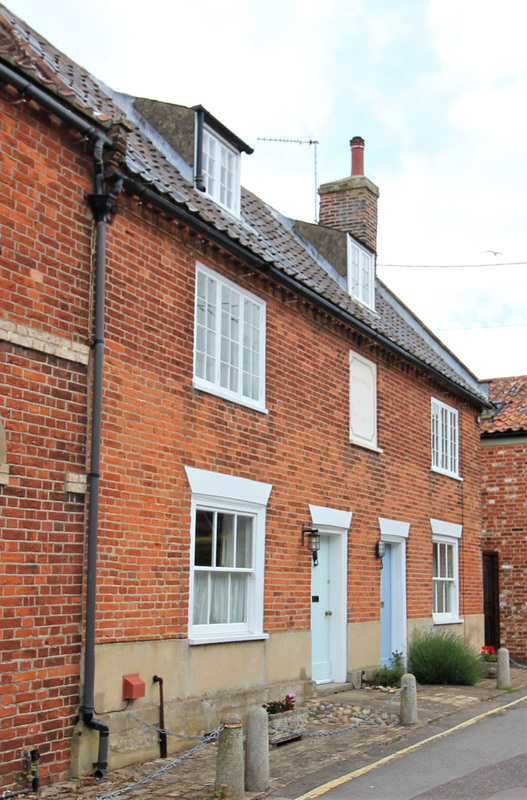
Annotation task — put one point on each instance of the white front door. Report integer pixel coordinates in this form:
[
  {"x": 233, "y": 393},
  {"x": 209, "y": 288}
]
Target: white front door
[
  {"x": 329, "y": 592},
  {"x": 321, "y": 613}
]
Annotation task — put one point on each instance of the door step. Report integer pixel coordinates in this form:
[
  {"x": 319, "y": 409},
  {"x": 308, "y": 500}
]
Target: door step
[{"x": 322, "y": 689}]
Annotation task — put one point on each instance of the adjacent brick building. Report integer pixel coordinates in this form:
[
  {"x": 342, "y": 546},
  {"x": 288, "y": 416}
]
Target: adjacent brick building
[
  {"x": 195, "y": 390},
  {"x": 504, "y": 482}
]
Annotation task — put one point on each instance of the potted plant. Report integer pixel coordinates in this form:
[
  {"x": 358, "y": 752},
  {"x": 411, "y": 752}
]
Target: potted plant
[{"x": 489, "y": 658}]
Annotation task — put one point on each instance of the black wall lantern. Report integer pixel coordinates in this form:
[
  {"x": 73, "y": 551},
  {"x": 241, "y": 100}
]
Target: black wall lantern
[
  {"x": 313, "y": 541},
  {"x": 380, "y": 550}
]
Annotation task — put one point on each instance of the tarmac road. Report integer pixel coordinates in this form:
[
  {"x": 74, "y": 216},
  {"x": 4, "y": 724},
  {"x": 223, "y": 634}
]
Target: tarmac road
[{"x": 480, "y": 759}]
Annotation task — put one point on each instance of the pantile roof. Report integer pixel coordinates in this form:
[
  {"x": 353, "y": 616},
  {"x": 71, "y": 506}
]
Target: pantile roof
[
  {"x": 510, "y": 397},
  {"x": 261, "y": 230}
]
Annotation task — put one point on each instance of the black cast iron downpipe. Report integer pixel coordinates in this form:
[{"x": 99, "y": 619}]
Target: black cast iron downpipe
[{"x": 102, "y": 204}]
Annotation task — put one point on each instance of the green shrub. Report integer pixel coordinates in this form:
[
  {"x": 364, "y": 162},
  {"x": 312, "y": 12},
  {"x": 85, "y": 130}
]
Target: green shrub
[
  {"x": 392, "y": 674},
  {"x": 441, "y": 657}
]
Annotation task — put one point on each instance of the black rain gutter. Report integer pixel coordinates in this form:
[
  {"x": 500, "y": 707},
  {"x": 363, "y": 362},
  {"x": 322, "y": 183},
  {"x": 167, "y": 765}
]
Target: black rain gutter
[
  {"x": 31, "y": 92},
  {"x": 243, "y": 253},
  {"x": 102, "y": 204}
]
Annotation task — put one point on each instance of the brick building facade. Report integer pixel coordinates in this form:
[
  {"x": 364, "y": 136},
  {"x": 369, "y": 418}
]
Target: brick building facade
[
  {"x": 504, "y": 483},
  {"x": 161, "y": 473}
]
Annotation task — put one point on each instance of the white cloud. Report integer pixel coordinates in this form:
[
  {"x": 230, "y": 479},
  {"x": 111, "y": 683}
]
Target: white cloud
[
  {"x": 437, "y": 88},
  {"x": 479, "y": 42}
]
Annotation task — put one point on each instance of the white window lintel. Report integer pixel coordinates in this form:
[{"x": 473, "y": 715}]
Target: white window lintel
[
  {"x": 393, "y": 530},
  {"x": 448, "y": 529}
]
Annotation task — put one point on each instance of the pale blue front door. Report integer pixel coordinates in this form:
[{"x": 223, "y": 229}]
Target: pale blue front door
[{"x": 386, "y": 607}]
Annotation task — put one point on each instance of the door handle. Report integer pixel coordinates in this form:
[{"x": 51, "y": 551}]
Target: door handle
[{"x": 329, "y": 613}]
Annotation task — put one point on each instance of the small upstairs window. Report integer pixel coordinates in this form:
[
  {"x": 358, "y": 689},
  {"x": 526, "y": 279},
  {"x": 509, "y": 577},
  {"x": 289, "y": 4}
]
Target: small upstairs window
[
  {"x": 217, "y": 161},
  {"x": 361, "y": 273},
  {"x": 221, "y": 172},
  {"x": 445, "y": 439}
]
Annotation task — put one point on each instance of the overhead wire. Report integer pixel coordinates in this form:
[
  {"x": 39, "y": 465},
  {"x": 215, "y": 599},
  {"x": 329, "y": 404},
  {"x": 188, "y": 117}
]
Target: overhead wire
[{"x": 455, "y": 266}]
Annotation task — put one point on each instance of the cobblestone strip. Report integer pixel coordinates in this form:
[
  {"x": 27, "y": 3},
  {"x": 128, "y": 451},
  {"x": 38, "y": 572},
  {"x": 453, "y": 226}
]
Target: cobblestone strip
[
  {"x": 207, "y": 740},
  {"x": 312, "y": 735}
]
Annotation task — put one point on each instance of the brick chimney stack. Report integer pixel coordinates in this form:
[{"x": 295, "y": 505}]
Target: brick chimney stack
[{"x": 350, "y": 204}]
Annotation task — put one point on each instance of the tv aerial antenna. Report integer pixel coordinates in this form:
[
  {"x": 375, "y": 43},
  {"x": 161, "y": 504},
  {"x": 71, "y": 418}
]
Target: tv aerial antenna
[{"x": 311, "y": 143}]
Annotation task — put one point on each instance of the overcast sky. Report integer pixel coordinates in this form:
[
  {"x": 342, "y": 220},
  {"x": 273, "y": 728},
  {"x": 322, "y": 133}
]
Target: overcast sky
[{"x": 437, "y": 88}]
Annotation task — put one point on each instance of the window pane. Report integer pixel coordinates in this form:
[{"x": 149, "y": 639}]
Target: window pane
[
  {"x": 448, "y": 597},
  {"x": 230, "y": 336},
  {"x": 238, "y": 598},
  {"x": 438, "y": 597},
  {"x": 205, "y": 327},
  {"x": 204, "y": 536},
  {"x": 436, "y": 561},
  {"x": 225, "y": 541},
  {"x": 355, "y": 273},
  {"x": 227, "y": 177},
  {"x": 450, "y": 560},
  {"x": 201, "y": 598},
  {"x": 244, "y": 542},
  {"x": 251, "y": 347},
  {"x": 444, "y": 438},
  {"x": 209, "y": 163},
  {"x": 219, "y": 599},
  {"x": 435, "y": 436},
  {"x": 365, "y": 278},
  {"x": 442, "y": 561}
]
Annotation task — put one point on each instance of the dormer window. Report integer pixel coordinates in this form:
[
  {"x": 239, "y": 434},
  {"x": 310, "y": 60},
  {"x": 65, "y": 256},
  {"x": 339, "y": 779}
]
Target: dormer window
[
  {"x": 361, "y": 273},
  {"x": 221, "y": 172},
  {"x": 217, "y": 161}
]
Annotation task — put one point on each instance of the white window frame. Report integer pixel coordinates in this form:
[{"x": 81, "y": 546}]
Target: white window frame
[
  {"x": 444, "y": 438},
  {"x": 214, "y": 491},
  {"x": 218, "y": 332},
  {"x": 447, "y": 534},
  {"x": 363, "y": 402},
  {"x": 221, "y": 171},
  {"x": 361, "y": 273}
]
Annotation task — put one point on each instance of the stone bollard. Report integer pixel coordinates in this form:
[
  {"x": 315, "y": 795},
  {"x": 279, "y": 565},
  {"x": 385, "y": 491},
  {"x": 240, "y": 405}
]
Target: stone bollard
[
  {"x": 229, "y": 762},
  {"x": 503, "y": 677},
  {"x": 257, "y": 750},
  {"x": 408, "y": 713}
]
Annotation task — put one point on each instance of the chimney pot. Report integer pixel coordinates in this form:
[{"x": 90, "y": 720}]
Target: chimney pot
[{"x": 357, "y": 155}]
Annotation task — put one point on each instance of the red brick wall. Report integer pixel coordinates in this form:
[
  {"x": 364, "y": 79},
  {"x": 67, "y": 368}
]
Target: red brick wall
[
  {"x": 301, "y": 447},
  {"x": 155, "y": 423},
  {"x": 44, "y": 283},
  {"x": 41, "y": 565},
  {"x": 505, "y": 531}
]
